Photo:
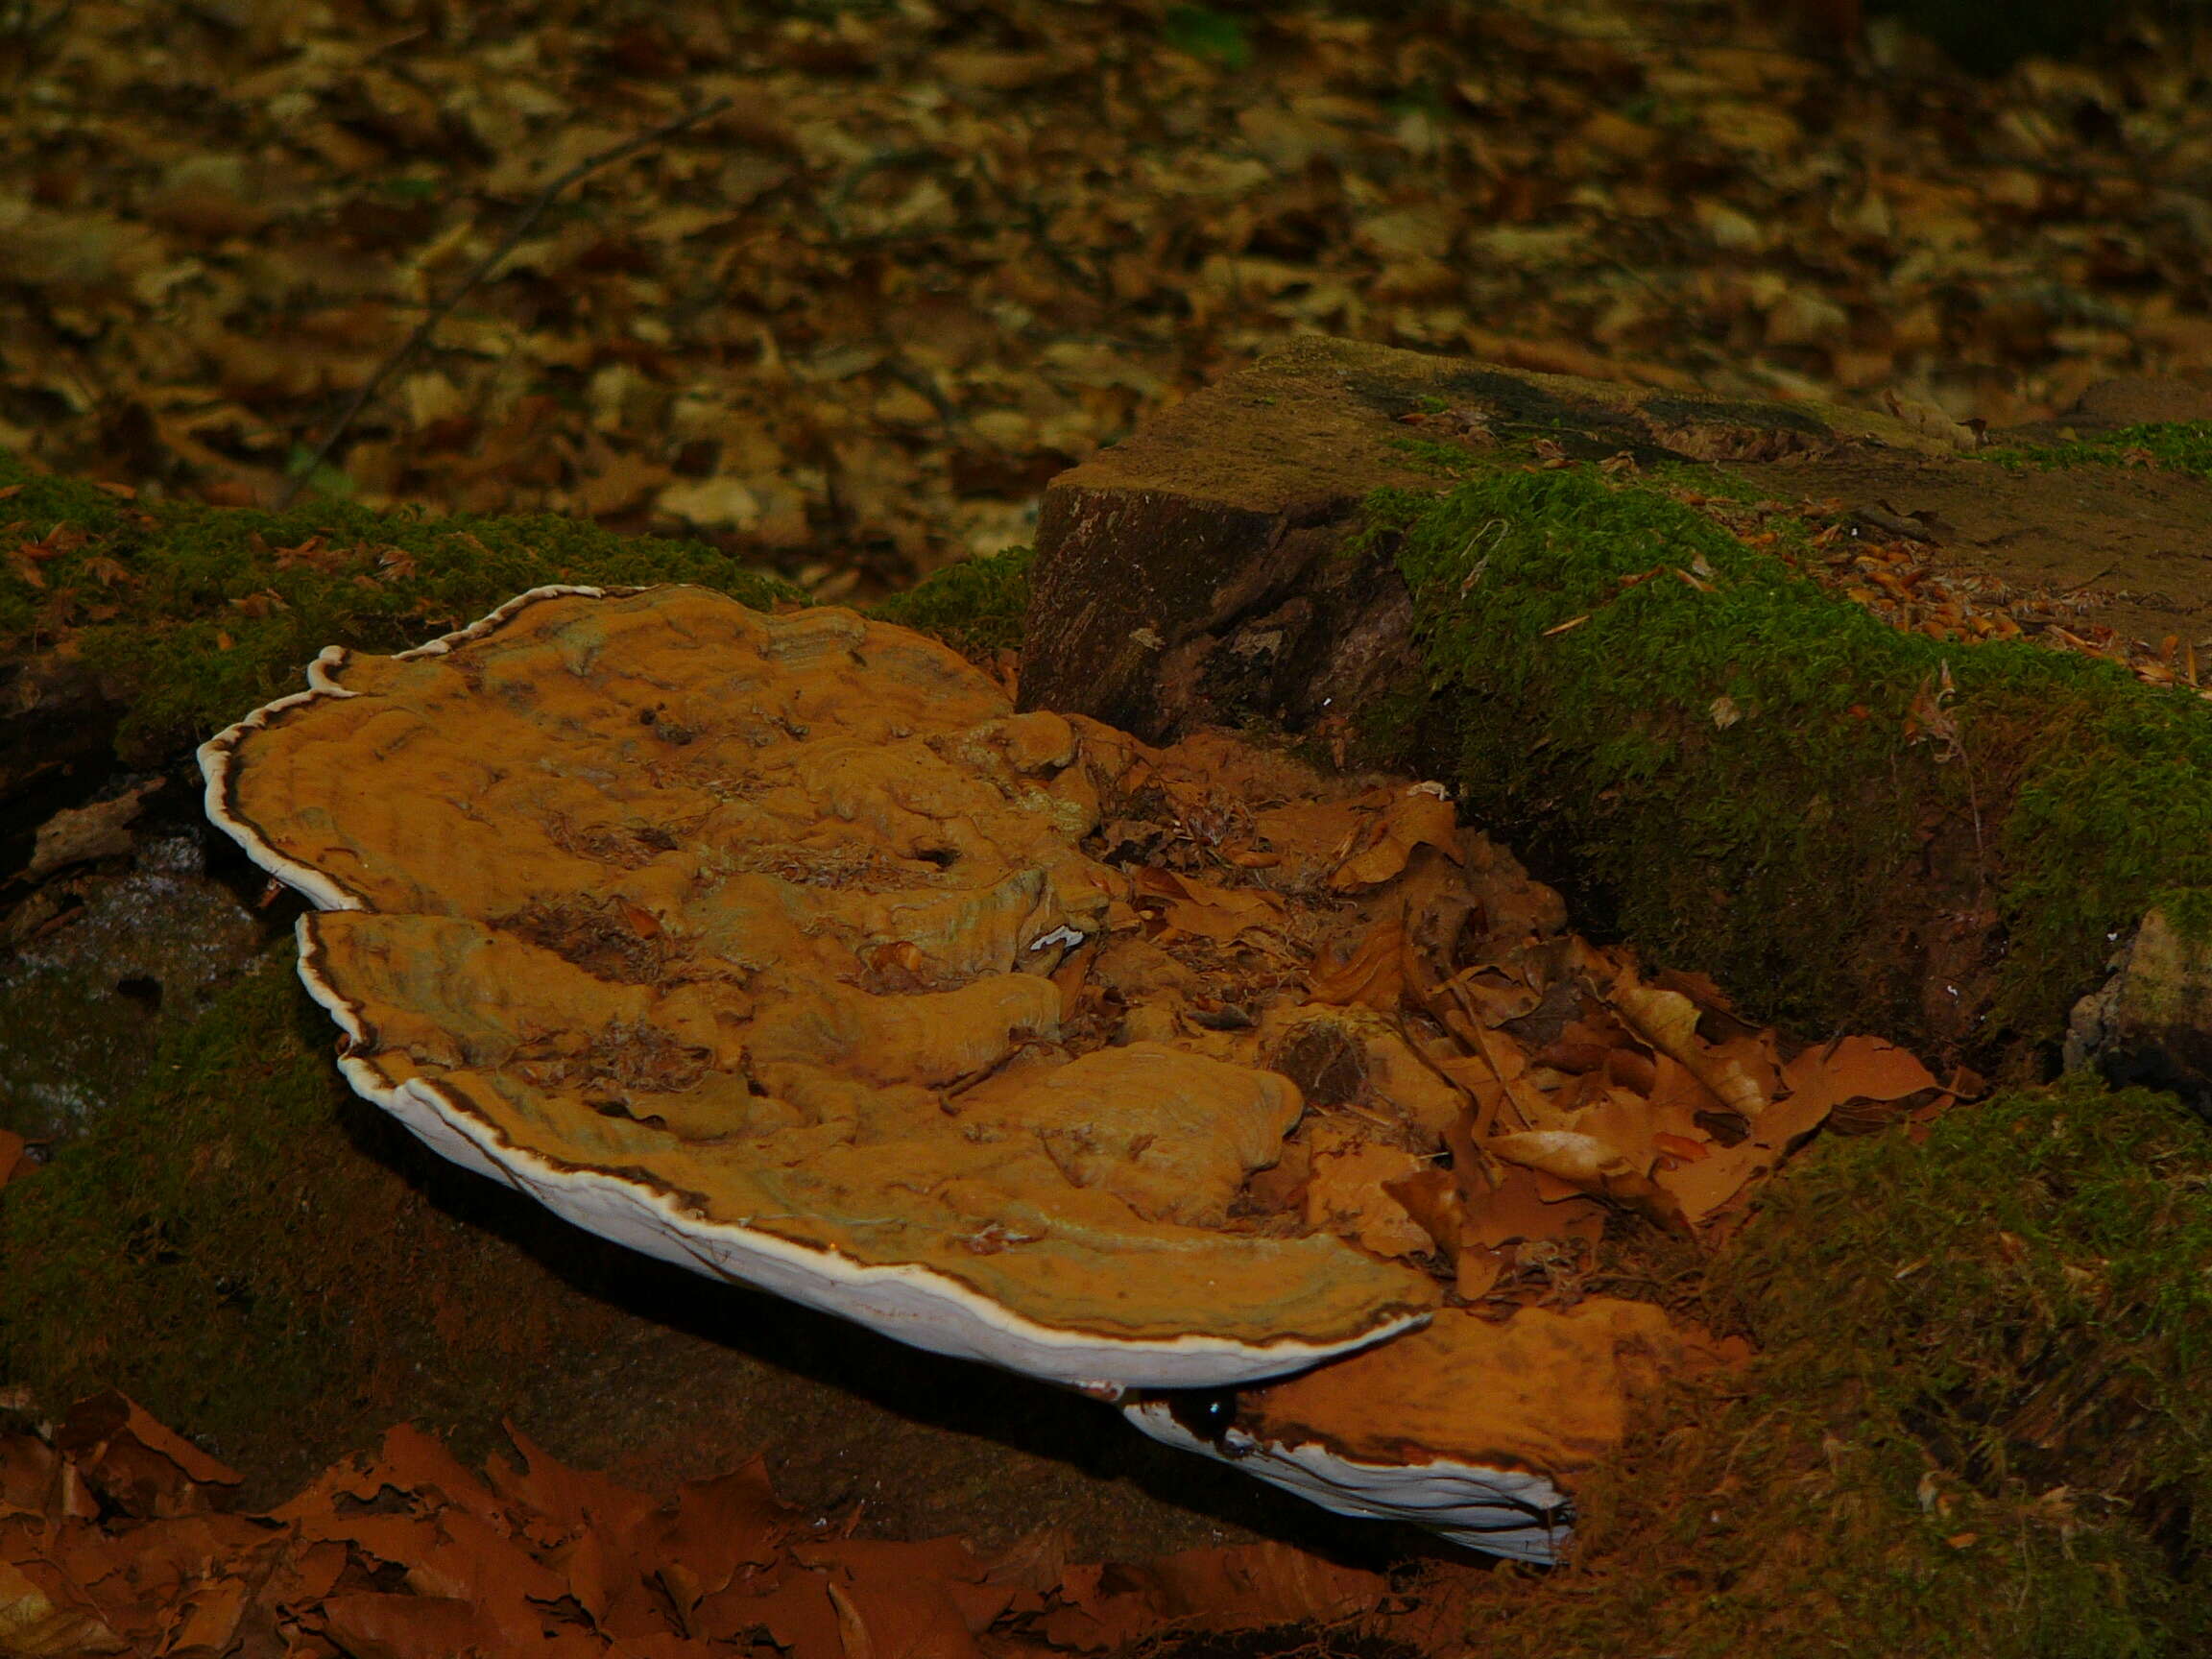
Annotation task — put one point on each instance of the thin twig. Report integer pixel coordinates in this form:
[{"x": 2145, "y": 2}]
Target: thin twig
[{"x": 483, "y": 268}]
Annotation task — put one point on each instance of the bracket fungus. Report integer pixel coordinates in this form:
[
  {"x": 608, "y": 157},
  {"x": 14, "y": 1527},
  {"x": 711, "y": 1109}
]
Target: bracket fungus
[
  {"x": 782, "y": 948},
  {"x": 1470, "y": 1428},
  {"x": 732, "y": 937}
]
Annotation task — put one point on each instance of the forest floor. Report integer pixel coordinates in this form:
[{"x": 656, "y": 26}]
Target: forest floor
[
  {"x": 843, "y": 331},
  {"x": 931, "y": 253}
]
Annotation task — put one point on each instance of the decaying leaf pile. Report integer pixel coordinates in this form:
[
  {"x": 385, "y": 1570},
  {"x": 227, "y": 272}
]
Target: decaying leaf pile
[
  {"x": 116, "y": 1537},
  {"x": 1482, "y": 1085},
  {"x": 936, "y": 251}
]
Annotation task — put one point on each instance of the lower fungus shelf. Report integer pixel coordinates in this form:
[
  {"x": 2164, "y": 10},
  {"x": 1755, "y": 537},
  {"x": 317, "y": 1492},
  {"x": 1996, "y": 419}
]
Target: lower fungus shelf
[
  {"x": 1470, "y": 1428},
  {"x": 1506, "y": 1512}
]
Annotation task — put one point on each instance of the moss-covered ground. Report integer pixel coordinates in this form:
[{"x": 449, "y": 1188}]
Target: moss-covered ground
[
  {"x": 1977, "y": 1427},
  {"x": 192, "y": 616},
  {"x": 2186, "y": 447},
  {"x": 978, "y": 607}
]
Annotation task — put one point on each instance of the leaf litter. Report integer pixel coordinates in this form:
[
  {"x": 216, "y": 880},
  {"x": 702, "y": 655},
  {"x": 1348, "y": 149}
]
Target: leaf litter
[
  {"x": 118, "y": 1536},
  {"x": 934, "y": 254},
  {"x": 1489, "y": 1095},
  {"x": 1892, "y": 565}
]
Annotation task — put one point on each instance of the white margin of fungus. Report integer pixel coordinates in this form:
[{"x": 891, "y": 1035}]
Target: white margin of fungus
[
  {"x": 913, "y": 1304},
  {"x": 1505, "y": 1512}
]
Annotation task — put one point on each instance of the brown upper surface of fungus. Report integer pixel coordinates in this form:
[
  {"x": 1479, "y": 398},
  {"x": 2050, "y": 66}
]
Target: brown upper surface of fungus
[{"x": 760, "y": 914}]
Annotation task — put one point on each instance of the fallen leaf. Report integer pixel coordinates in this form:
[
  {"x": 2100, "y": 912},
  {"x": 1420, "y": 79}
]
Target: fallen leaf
[
  {"x": 1667, "y": 1021},
  {"x": 1251, "y": 1586},
  {"x": 1702, "y": 1188},
  {"x": 1857, "y": 1069},
  {"x": 141, "y": 1467},
  {"x": 1373, "y": 974},
  {"x": 1478, "y": 1271},
  {"x": 1415, "y": 817},
  {"x": 211, "y": 1619},
  {"x": 1581, "y": 1161},
  {"x": 1515, "y": 1211},
  {"x": 388, "y": 1626},
  {"x": 42, "y": 1622},
  {"x": 81, "y": 834},
  {"x": 1347, "y": 1197},
  {"x": 1221, "y": 914},
  {"x": 1431, "y": 1197}
]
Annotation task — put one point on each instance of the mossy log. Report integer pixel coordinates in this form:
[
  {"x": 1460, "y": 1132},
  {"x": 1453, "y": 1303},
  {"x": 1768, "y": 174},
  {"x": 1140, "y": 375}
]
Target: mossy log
[{"x": 1596, "y": 610}]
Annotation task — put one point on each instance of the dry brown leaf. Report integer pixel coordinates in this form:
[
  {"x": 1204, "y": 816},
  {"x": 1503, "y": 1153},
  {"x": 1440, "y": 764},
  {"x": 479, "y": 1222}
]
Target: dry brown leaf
[
  {"x": 1431, "y": 1197},
  {"x": 1857, "y": 1069},
  {"x": 1221, "y": 914},
  {"x": 1582, "y": 1161},
  {"x": 1314, "y": 835},
  {"x": 1421, "y": 815},
  {"x": 1242, "y": 1587},
  {"x": 1348, "y": 1196},
  {"x": 1493, "y": 997},
  {"x": 1515, "y": 1211},
  {"x": 211, "y": 1619},
  {"x": 1478, "y": 1270},
  {"x": 141, "y": 1467},
  {"x": 1373, "y": 974},
  {"x": 1703, "y": 1186},
  {"x": 1508, "y": 1065},
  {"x": 1737, "y": 1071},
  {"x": 40, "y": 1618},
  {"x": 391, "y": 1627}
]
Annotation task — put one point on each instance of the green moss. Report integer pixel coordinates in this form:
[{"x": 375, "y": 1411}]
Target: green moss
[
  {"x": 1440, "y": 456},
  {"x": 1751, "y": 774},
  {"x": 277, "y": 1270},
  {"x": 1207, "y": 33},
  {"x": 194, "y": 615},
  {"x": 1975, "y": 1427},
  {"x": 187, "y": 1253},
  {"x": 2025, "y": 1316},
  {"x": 2184, "y": 446},
  {"x": 977, "y": 606}
]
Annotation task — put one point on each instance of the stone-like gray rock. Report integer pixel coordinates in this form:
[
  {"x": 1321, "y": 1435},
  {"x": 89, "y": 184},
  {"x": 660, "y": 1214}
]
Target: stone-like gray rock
[{"x": 2151, "y": 1023}]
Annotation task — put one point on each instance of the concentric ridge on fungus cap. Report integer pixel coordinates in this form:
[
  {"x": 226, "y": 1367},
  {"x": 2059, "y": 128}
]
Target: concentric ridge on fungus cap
[{"x": 731, "y": 937}]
